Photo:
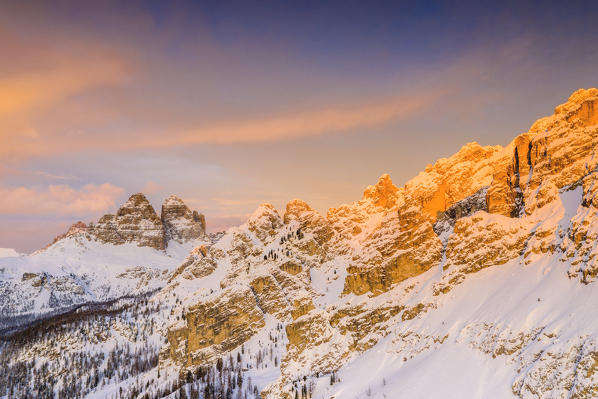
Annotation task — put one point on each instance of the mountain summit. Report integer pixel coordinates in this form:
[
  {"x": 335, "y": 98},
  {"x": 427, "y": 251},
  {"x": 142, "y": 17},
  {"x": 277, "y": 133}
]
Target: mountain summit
[{"x": 137, "y": 222}]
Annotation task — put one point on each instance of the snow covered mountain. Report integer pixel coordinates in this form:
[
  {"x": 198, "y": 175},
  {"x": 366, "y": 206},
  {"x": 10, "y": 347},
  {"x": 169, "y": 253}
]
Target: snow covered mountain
[
  {"x": 476, "y": 279},
  {"x": 8, "y": 253},
  {"x": 126, "y": 254}
]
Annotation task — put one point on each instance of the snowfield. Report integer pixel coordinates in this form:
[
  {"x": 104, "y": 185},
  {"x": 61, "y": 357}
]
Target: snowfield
[
  {"x": 76, "y": 270},
  {"x": 8, "y": 253}
]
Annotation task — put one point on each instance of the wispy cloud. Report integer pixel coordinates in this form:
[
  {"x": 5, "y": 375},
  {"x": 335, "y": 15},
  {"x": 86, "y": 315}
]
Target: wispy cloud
[
  {"x": 44, "y": 76},
  {"x": 59, "y": 200},
  {"x": 25, "y": 91},
  {"x": 54, "y": 176},
  {"x": 333, "y": 119}
]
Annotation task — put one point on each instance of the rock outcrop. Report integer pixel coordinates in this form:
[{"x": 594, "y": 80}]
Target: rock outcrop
[
  {"x": 137, "y": 222},
  {"x": 134, "y": 222},
  {"x": 264, "y": 222},
  {"x": 215, "y": 327},
  {"x": 75, "y": 229},
  {"x": 180, "y": 223},
  {"x": 486, "y": 259}
]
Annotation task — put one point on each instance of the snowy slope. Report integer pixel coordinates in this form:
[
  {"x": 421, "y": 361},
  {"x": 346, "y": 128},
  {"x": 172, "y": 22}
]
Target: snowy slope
[
  {"x": 126, "y": 254},
  {"x": 8, "y": 253},
  {"x": 76, "y": 270},
  {"x": 495, "y": 335}
]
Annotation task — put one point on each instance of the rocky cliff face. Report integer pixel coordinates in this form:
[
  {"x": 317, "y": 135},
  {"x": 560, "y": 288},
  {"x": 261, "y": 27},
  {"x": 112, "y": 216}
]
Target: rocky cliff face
[
  {"x": 180, "y": 223},
  {"x": 377, "y": 271},
  {"x": 137, "y": 222}
]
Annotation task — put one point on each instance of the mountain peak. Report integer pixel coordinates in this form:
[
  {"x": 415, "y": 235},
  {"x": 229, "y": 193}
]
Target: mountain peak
[
  {"x": 384, "y": 193},
  {"x": 135, "y": 201},
  {"x": 577, "y": 98},
  {"x": 263, "y": 209},
  {"x": 180, "y": 223},
  {"x": 264, "y": 221},
  {"x": 580, "y": 110},
  {"x": 297, "y": 206},
  {"x": 399, "y": 271},
  {"x": 173, "y": 200},
  {"x": 135, "y": 221},
  {"x": 582, "y": 105},
  {"x": 76, "y": 228}
]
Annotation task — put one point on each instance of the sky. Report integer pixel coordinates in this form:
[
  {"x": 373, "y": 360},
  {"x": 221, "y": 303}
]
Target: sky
[{"x": 232, "y": 104}]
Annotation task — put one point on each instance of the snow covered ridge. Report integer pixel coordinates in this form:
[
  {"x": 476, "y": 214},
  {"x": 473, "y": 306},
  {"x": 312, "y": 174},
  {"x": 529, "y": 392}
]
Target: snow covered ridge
[
  {"x": 8, "y": 253},
  {"x": 476, "y": 279},
  {"x": 129, "y": 253}
]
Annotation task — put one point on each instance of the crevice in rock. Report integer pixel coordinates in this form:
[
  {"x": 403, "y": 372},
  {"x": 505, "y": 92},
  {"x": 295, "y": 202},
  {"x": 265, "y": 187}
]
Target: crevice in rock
[{"x": 466, "y": 207}]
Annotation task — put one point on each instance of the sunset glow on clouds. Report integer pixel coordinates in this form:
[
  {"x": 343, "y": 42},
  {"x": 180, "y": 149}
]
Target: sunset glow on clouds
[
  {"x": 59, "y": 200},
  {"x": 99, "y": 101},
  {"x": 331, "y": 120}
]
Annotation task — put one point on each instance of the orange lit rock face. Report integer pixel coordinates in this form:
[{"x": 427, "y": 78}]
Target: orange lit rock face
[
  {"x": 479, "y": 208},
  {"x": 391, "y": 234},
  {"x": 452, "y": 179},
  {"x": 588, "y": 112},
  {"x": 519, "y": 179},
  {"x": 581, "y": 108},
  {"x": 394, "y": 227},
  {"x": 384, "y": 194}
]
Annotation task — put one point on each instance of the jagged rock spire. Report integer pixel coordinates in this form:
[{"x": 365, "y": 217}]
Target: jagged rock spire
[
  {"x": 180, "y": 223},
  {"x": 264, "y": 221},
  {"x": 136, "y": 221},
  {"x": 384, "y": 193}
]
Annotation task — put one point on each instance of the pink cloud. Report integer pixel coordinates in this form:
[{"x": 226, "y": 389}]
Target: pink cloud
[
  {"x": 332, "y": 119},
  {"x": 59, "y": 200}
]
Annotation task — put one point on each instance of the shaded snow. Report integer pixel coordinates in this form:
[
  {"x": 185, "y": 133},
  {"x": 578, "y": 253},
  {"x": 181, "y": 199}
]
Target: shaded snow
[{"x": 8, "y": 253}]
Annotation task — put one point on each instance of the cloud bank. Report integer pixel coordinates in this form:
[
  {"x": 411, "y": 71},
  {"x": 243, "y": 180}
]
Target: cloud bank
[{"x": 59, "y": 200}]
